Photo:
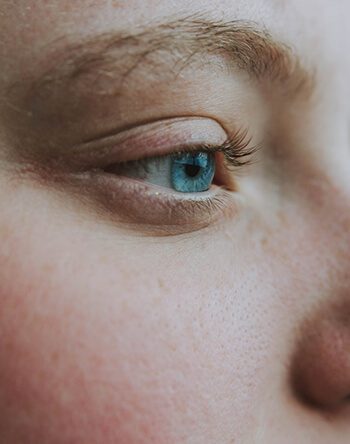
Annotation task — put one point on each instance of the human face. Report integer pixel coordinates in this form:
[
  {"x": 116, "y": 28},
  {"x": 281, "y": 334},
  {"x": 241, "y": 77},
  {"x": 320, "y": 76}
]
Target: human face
[{"x": 133, "y": 313}]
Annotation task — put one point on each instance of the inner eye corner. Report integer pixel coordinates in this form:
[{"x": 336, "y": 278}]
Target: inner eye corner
[{"x": 223, "y": 176}]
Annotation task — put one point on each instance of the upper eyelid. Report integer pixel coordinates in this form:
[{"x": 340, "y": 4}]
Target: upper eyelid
[
  {"x": 237, "y": 150},
  {"x": 149, "y": 140}
]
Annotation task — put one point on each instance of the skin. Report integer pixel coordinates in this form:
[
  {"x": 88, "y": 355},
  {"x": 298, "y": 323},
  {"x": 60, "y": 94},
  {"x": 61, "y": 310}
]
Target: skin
[{"x": 233, "y": 332}]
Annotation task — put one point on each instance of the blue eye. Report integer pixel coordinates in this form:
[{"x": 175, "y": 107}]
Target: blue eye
[
  {"x": 192, "y": 172},
  {"x": 185, "y": 172}
]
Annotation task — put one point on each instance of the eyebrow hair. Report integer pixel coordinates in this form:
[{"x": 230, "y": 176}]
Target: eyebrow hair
[{"x": 244, "y": 44}]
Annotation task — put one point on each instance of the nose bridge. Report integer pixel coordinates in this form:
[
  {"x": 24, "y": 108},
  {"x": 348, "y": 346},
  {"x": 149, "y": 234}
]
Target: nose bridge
[
  {"x": 334, "y": 241},
  {"x": 338, "y": 216},
  {"x": 328, "y": 199}
]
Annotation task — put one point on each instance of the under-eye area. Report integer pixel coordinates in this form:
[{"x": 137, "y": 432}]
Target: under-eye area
[{"x": 153, "y": 209}]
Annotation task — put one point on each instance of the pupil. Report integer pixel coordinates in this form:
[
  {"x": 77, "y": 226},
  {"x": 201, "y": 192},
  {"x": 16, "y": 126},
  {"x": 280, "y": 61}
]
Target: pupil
[{"x": 192, "y": 170}]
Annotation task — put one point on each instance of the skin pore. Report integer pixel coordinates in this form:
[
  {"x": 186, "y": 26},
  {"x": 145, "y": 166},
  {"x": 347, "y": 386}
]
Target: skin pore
[{"x": 131, "y": 314}]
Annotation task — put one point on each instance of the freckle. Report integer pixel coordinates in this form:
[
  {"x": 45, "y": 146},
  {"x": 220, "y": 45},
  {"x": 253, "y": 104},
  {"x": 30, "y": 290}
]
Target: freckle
[
  {"x": 55, "y": 358},
  {"x": 104, "y": 260},
  {"x": 264, "y": 241},
  {"x": 173, "y": 347},
  {"x": 161, "y": 283},
  {"x": 48, "y": 268},
  {"x": 5, "y": 231}
]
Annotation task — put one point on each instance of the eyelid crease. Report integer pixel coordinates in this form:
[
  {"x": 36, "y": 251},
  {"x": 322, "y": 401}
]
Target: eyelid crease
[
  {"x": 148, "y": 140},
  {"x": 237, "y": 151}
]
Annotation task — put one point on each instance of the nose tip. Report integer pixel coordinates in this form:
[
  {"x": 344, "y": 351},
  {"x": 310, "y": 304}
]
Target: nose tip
[{"x": 321, "y": 364}]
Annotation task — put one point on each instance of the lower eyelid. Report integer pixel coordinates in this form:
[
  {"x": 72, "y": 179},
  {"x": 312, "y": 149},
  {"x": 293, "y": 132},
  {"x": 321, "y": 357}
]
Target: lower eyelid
[{"x": 136, "y": 204}]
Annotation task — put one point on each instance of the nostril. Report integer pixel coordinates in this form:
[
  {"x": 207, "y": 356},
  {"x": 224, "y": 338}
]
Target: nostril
[{"x": 321, "y": 364}]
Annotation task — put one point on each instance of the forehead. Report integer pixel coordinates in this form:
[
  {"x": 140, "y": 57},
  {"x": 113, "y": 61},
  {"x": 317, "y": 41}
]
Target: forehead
[
  {"x": 28, "y": 28},
  {"x": 87, "y": 15}
]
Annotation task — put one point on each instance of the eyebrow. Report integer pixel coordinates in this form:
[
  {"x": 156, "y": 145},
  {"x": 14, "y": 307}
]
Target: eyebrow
[{"x": 245, "y": 45}]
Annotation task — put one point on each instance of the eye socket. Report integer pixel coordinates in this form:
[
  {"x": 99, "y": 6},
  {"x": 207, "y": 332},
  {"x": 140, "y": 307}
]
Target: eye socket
[
  {"x": 188, "y": 172},
  {"x": 163, "y": 178}
]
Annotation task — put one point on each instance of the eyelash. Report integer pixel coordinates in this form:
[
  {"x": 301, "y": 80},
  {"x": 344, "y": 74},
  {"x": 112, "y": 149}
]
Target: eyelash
[{"x": 237, "y": 149}]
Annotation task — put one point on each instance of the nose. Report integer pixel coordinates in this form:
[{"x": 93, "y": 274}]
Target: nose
[
  {"x": 321, "y": 367},
  {"x": 320, "y": 363}
]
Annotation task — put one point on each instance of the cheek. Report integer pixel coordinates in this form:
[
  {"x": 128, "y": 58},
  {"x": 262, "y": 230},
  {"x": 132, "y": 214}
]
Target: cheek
[
  {"x": 117, "y": 339},
  {"x": 123, "y": 343},
  {"x": 85, "y": 359},
  {"x": 74, "y": 360}
]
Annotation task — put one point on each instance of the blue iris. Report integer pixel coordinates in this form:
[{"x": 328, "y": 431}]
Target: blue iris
[{"x": 192, "y": 172}]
